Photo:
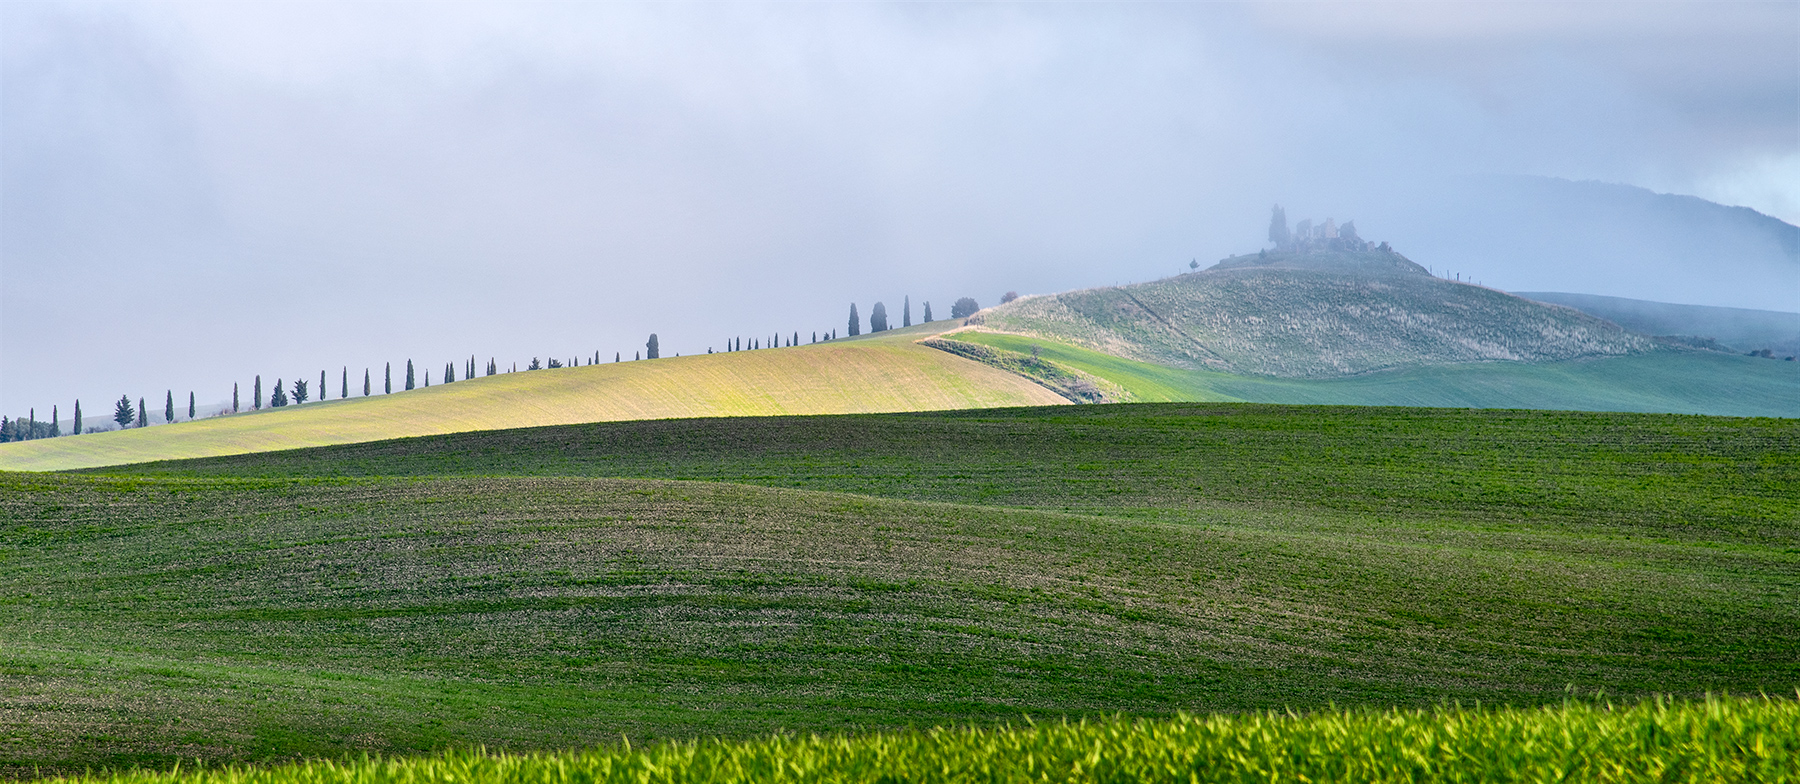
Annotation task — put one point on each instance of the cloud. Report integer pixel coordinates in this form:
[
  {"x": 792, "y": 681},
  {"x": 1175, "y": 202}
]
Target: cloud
[{"x": 245, "y": 188}]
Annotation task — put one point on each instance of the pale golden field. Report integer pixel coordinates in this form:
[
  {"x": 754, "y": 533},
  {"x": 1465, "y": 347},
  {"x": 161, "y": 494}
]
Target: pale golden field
[{"x": 880, "y": 373}]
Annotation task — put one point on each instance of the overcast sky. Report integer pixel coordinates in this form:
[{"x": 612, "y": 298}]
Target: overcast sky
[{"x": 191, "y": 194}]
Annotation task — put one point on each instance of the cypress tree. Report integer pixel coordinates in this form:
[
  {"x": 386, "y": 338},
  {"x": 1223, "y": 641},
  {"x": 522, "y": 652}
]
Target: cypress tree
[
  {"x": 143, "y": 419},
  {"x": 651, "y": 350},
  {"x": 78, "y": 417},
  {"x": 815, "y": 337},
  {"x": 324, "y": 391},
  {"x": 256, "y": 395},
  {"x": 55, "y": 426},
  {"x": 300, "y": 393},
  {"x": 169, "y": 407},
  {"x": 234, "y": 397},
  {"x": 906, "y": 311},
  {"x": 796, "y": 340},
  {"x": 409, "y": 374},
  {"x": 855, "y": 321},
  {"x": 615, "y": 356},
  {"x": 427, "y": 378},
  {"x": 344, "y": 384},
  {"x": 878, "y": 318},
  {"x": 190, "y": 405},
  {"x": 31, "y": 424},
  {"x": 278, "y": 398},
  {"x": 387, "y": 379},
  {"x": 928, "y": 312},
  {"x": 122, "y": 411},
  {"x": 365, "y": 382},
  {"x": 449, "y": 372}
]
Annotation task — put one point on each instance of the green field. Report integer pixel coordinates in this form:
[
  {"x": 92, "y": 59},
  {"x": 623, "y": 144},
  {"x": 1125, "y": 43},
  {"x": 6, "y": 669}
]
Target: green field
[
  {"x": 1718, "y": 740},
  {"x": 560, "y": 586},
  {"x": 885, "y": 372},
  {"x": 1669, "y": 381}
]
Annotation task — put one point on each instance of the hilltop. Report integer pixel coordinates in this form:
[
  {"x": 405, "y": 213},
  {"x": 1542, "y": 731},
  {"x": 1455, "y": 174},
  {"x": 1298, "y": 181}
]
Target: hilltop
[{"x": 1313, "y": 314}]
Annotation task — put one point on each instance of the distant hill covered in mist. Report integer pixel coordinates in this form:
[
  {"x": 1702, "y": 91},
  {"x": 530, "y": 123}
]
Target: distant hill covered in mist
[
  {"x": 1548, "y": 234},
  {"x": 1734, "y": 329}
]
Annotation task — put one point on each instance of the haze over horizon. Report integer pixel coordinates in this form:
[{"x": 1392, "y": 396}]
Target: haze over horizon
[{"x": 191, "y": 194}]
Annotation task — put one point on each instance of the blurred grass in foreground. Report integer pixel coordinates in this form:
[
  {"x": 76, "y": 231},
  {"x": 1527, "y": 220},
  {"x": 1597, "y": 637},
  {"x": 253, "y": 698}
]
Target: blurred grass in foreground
[{"x": 1717, "y": 739}]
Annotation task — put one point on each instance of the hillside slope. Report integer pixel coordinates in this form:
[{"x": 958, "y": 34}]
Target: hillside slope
[
  {"x": 1676, "y": 382},
  {"x": 885, "y": 372},
  {"x": 1313, "y": 315},
  {"x": 886, "y": 570}
]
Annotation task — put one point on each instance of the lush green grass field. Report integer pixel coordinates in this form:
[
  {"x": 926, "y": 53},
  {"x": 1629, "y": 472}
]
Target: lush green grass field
[
  {"x": 1719, "y": 740},
  {"x": 882, "y": 571},
  {"x": 1672, "y": 381},
  {"x": 885, "y": 372}
]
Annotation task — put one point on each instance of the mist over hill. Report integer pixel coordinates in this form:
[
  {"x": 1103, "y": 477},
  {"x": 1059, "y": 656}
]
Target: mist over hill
[
  {"x": 1313, "y": 313},
  {"x": 1547, "y": 234}
]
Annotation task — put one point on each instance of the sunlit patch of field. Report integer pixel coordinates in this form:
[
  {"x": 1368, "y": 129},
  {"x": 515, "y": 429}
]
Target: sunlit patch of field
[
  {"x": 1715, "y": 740},
  {"x": 886, "y": 372}
]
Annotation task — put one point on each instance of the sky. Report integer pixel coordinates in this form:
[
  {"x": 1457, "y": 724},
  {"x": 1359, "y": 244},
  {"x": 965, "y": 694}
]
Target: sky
[{"x": 192, "y": 194}]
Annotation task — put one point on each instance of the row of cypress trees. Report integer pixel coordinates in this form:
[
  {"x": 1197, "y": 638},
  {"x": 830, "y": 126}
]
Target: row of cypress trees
[{"x": 281, "y": 395}]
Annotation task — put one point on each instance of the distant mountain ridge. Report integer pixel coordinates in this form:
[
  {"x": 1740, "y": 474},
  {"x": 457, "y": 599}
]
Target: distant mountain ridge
[
  {"x": 1317, "y": 314},
  {"x": 1735, "y": 329},
  {"x": 1549, "y": 234}
]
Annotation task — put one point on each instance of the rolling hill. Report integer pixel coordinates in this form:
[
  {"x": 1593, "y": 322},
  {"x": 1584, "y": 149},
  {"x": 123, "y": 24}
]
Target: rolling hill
[
  {"x": 826, "y": 573},
  {"x": 1325, "y": 314}
]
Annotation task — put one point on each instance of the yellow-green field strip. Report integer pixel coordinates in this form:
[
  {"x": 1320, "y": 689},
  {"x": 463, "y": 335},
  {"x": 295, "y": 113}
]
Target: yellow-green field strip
[
  {"x": 1715, "y": 740},
  {"x": 881, "y": 373}
]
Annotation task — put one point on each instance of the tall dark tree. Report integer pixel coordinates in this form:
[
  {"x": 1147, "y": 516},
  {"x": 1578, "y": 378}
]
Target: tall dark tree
[
  {"x": 651, "y": 350},
  {"x": 169, "y": 407},
  {"x": 855, "y": 321},
  {"x": 300, "y": 394},
  {"x": 278, "y": 398},
  {"x": 964, "y": 308},
  {"x": 1278, "y": 228},
  {"x": 344, "y": 384},
  {"x": 615, "y": 356},
  {"x": 143, "y": 419},
  {"x": 122, "y": 413},
  {"x": 77, "y": 417},
  {"x": 928, "y": 311},
  {"x": 409, "y": 374},
  {"x": 387, "y": 379},
  {"x": 256, "y": 395},
  {"x": 878, "y": 318},
  {"x": 234, "y": 397},
  {"x": 55, "y": 423},
  {"x": 190, "y": 405},
  {"x": 31, "y": 421},
  {"x": 449, "y": 372},
  {"x": 534, "y": 365},
  {"x": 366, "y": 386},
  {"x": 906, "y": 311},
  {"x": 635, "y": 356},
  {"x": 796, "y": 341},
  {"x": 324, "y": 391}
]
